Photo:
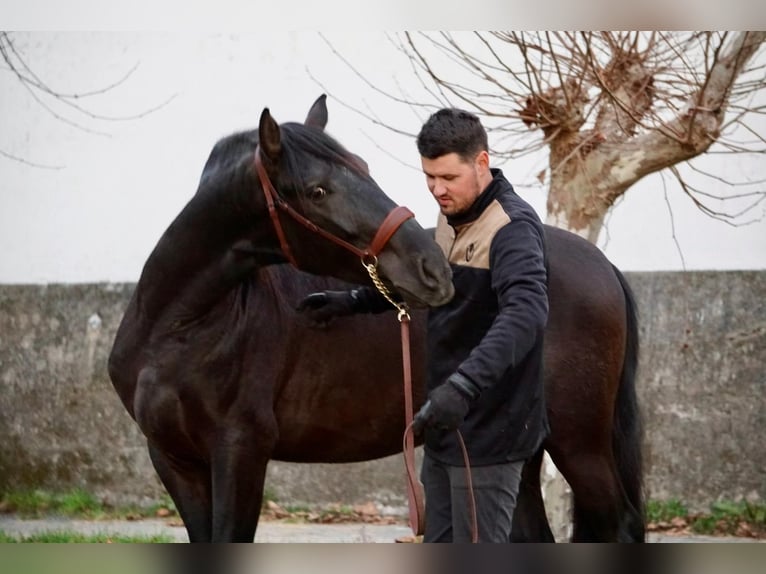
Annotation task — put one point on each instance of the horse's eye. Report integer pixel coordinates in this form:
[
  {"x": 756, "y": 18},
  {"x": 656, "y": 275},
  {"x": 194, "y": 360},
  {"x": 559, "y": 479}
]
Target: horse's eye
[{"x": 317, "y": 193}]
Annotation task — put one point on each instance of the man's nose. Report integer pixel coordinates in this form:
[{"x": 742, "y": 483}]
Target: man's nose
[{"x": 439, "y": 189}]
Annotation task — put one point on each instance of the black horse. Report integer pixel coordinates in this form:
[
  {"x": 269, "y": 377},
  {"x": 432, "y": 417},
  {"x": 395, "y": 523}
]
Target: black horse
[{"x": 222, "y": 374}]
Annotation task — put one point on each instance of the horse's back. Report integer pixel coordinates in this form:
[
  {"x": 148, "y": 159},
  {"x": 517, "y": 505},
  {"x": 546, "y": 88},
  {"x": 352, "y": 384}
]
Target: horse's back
[{"x": 580, "y": 274}]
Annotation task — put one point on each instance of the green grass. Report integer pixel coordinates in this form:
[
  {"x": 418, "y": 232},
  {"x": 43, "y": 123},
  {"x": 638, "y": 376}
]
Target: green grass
[
  {"x": 726, "y": 517},
  {"x": 298, "y": 508},
  {"x": 5, "y": 538},
  {"x": 723, "y": 518},
  {"x": 65, "y": 536},
  {"x": 665, "y": 510},
  {"x": 269, "y": 495},
  {"x": 76, "y": 503}
]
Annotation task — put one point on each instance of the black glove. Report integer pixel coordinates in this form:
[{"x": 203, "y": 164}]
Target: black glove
[
  {"x": 445, "y": 409},
  {"x": 324, "y": 306}
]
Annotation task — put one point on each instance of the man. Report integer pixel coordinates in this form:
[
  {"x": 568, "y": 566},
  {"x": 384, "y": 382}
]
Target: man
[{"x": 485, "y": 347}]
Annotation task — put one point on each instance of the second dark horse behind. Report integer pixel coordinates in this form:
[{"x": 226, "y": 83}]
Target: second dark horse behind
[{"x": 221, "y": 373}]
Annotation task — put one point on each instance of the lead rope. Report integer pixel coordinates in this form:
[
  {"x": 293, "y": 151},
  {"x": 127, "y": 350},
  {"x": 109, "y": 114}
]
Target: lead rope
[{"x": 415, "y": 495}]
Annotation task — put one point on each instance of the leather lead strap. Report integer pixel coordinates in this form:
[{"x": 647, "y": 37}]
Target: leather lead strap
[{"x": 415, "y": 495}]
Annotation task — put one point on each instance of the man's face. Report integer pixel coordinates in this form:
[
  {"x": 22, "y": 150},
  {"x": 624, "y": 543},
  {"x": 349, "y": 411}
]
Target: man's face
[{"x": 454, "y": 183}]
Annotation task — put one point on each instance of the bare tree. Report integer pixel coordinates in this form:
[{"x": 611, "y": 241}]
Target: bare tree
[
  {"x": 609, "y": 107},
  {"x": 65, "y": 107}
]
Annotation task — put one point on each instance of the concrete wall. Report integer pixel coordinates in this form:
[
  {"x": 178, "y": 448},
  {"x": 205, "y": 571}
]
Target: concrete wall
[
  {"x": 61, "y": 423},
  {"x": 701, "y": 384}
]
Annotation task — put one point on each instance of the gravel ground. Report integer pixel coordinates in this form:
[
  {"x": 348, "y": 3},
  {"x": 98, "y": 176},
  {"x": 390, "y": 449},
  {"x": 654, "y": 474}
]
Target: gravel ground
[{"x": 268, "y": 531}]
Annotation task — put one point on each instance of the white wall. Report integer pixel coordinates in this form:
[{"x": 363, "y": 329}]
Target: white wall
[{"x": 98, "y": 215}]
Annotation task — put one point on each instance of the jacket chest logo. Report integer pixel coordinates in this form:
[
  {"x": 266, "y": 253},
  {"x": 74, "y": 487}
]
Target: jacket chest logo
[{"x": 469, "y": 251}]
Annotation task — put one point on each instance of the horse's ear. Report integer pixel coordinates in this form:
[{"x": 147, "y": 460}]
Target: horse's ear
[
  {"x": 317, "y": 117},
  {"x": 269, "y": 136}
]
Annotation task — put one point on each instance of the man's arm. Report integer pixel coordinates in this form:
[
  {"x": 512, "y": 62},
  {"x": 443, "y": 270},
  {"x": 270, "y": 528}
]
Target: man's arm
[
  {"x": 519, "y": 279},
  {"x": 323, "y": 306}
]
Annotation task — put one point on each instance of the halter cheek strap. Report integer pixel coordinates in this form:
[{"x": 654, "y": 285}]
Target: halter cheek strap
[
  {"x": 390, "y": 224},
  {"x": 271, "y": 197}
]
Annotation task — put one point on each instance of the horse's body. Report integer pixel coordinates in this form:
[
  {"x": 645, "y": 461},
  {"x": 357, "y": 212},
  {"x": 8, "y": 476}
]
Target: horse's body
[{"x": 222, "y": 374}]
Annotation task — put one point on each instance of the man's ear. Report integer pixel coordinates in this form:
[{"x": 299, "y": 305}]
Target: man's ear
[{"x": 482, "y": 160}]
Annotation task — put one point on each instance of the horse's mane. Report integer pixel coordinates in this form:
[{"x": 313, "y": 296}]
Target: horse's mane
[{"x": 298, "y": 141}]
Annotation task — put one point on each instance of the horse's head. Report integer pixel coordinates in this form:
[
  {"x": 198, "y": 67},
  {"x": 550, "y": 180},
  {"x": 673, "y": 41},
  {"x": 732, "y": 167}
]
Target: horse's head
[{"x": 314, "y": 181}]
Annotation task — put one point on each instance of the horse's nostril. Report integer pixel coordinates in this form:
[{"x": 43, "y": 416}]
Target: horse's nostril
[{"x": 428, "y": 274}]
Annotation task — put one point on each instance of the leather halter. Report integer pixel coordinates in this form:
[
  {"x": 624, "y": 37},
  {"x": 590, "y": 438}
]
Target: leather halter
[{"x": 390, "y": 224}]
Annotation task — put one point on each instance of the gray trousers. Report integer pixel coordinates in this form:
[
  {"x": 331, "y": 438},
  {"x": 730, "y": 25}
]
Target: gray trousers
[{"x": 448, "y": 512}]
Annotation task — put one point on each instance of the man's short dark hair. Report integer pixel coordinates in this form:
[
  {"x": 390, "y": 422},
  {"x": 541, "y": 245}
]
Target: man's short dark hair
[{"x": 451, "y": 130}]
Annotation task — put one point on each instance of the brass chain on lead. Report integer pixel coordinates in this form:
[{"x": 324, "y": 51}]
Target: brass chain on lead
[
  {"x": 372, "y": 270},
  {"x": 415, "y": 496}
]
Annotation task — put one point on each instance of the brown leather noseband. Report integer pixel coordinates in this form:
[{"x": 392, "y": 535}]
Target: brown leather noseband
[{"x": 390, "y": 224}]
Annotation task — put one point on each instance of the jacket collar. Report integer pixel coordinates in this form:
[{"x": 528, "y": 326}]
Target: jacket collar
[{"x": 486, "y": 197}]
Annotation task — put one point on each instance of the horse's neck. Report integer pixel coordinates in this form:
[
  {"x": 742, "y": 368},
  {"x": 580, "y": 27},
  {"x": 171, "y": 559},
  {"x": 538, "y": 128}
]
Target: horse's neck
[{"x": 196, "y": 262}]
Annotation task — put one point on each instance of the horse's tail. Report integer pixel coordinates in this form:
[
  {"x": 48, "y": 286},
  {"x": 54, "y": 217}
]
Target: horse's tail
[{"x": 628, "y": 430}]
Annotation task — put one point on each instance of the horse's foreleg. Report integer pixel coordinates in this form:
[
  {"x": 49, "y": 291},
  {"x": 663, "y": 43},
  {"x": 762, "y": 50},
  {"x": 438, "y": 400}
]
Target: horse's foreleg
[
  {"x": 239, "y": 473},
  {"x": 189, "y": 486},
  {"x": 530, "y": 523}
]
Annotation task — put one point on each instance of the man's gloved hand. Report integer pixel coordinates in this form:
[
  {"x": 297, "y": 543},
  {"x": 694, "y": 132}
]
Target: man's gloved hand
[
  {"x": 445, "y": 409},
  {"x": 324, "y": 306}
]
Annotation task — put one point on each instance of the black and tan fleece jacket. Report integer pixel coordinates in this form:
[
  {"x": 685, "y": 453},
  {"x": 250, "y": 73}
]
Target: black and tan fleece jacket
[{"x": 491, "y": 332}]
